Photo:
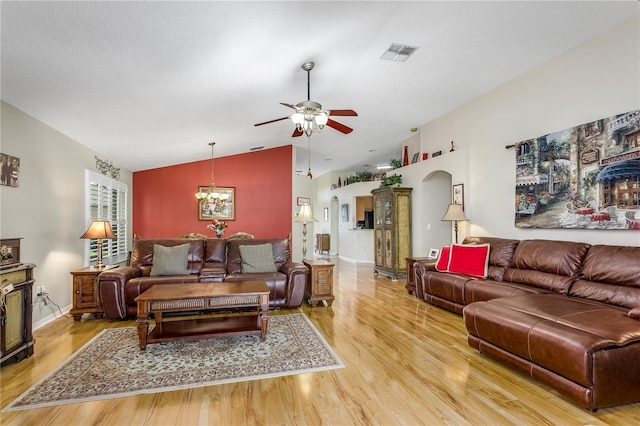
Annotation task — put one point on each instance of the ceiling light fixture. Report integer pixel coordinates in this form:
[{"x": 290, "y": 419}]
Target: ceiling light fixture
[
  {"x": 212, "y": 195},
  {"x": 309, "y": 116}
]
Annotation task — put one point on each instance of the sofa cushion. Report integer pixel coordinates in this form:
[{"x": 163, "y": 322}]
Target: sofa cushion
[
  {"x": 257, "y": 258},
  {"x": 548, "y": 264},
  {"x": 610, "y": 274},
  {"x": 442, "y": 263},
  {"x": 281, "y": 253},
  {"x": 170, "y": 260},
  {"x": 469, "y": 259},
  {"x": 142, "y": 253}
]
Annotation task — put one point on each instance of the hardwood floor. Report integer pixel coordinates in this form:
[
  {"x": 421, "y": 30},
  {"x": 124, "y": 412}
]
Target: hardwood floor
[{"x": 406, "y": 362}]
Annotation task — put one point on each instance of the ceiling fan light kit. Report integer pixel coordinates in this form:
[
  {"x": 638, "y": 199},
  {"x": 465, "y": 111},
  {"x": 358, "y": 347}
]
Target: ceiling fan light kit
[{"x": 309, "y": 116}]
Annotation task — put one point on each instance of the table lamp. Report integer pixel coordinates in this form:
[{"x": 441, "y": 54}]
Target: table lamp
[
  {"x": 99, "y": 230},
  {"x": 455, "y": 214}
]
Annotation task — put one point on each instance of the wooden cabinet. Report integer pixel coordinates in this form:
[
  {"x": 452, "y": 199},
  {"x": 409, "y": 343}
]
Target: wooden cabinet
[
  {"x": 392, "y": 229},
  {"x": 86, "y": 298},
  {"x": 322, "y": 243},
  {"x": 320, "y": 283},
  {"x": 16, "y": 324}
]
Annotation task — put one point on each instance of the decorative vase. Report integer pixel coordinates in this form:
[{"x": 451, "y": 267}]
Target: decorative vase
[
  {"x": 219, "y": 234},
  {"x": 405, "y": 160}
]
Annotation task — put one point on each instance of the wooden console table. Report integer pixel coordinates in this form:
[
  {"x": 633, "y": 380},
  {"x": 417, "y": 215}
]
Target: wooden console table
[
  {"x": 243, "y": 309},
  {"x": 322, "y": 243}
]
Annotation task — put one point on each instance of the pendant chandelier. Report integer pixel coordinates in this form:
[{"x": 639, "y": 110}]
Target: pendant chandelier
[{"x": 211, "y": 195}]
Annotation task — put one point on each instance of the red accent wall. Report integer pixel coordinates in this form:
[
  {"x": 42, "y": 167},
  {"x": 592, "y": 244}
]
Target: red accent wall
[{"x": 164, "y": 204}]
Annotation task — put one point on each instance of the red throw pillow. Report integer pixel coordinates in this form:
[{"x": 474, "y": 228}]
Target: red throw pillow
[
  {"x": 443, "y": 259},
  {"x": 469, "y": 259}
]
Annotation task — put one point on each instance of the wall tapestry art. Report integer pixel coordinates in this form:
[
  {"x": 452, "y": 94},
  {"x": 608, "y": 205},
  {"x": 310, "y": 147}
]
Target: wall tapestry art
[
  {"x": 10, "y": 172},
  {"x": 585, "y": 177}
]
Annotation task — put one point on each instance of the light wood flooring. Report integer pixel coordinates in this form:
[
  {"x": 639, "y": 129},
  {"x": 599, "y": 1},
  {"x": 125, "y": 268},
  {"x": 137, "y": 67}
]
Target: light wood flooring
[{"x": 407, "y": 362}]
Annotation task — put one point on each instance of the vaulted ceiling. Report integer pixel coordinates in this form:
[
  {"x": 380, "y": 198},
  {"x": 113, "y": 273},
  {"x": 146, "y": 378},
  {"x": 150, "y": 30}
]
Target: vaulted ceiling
[{"x": 150, "y": 84}]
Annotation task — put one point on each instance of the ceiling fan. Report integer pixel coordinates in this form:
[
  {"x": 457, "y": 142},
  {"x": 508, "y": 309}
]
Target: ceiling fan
[{"x": 309, "y": 116}]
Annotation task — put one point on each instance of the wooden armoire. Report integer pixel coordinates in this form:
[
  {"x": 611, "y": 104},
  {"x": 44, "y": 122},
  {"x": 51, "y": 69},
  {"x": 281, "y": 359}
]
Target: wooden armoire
[{"x": 392, "y": 229}]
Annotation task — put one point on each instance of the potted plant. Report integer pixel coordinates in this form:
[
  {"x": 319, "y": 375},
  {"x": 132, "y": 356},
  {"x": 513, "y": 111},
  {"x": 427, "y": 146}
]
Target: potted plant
[
  {"x": 395, "y": 163},
  {"x": 364, "y": 176},
  {"x": 393, "y": 180}
]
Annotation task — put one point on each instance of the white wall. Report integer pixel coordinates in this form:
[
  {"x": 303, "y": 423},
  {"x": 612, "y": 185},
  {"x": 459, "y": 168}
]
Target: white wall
[
  {"x": 598, "y": 79},
  {"x": 47, "y": 209},
  {"x": 351, "y": 244}
]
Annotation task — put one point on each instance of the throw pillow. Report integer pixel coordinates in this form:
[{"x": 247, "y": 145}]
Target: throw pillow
[
  {"x": 257, "y": 258},
  {"x": 442, "y": 264},
  {"x": 469, "y": 259},
  {"x": 170, "y": 260}
]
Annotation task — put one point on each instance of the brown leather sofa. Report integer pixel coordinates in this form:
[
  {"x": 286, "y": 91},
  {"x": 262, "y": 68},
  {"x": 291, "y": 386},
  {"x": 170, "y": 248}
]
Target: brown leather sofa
[
  {"x": 564, "y": 313},
  {"x": 209, "y": 260}
]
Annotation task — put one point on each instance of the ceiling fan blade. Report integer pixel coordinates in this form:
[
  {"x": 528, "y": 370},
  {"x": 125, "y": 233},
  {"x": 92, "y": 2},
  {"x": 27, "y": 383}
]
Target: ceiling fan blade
[
  {"x": 288, "y": 105},
  {"x": 343, "y": 112},
  {"x": 271, "y": 121},
  {"x": 297, "y": 133},
  {"x": 339, "y": 127}
]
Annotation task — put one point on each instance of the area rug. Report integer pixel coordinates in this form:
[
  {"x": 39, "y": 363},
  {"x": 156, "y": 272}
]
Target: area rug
[{"x": 112, "y": 365}]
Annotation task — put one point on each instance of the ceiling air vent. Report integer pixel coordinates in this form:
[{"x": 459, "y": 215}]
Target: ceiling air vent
[{"x": 398, "y": 52}]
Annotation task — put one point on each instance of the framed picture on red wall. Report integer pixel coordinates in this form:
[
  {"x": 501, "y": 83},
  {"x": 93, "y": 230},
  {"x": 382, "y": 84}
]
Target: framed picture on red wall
[{"x": 219, "y": 204}]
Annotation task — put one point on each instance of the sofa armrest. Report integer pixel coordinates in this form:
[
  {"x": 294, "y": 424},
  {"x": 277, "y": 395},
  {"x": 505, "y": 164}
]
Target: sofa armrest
[
  {"x": 111, "y": 286},
  {"x": 297, "y": 274}
]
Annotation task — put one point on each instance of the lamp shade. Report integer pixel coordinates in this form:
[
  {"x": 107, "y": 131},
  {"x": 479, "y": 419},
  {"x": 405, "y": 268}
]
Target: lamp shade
[
  {"x": 455, "y": 213},
  {"x": 99, "y": 229},
  {"x": 305, "y": 215}
]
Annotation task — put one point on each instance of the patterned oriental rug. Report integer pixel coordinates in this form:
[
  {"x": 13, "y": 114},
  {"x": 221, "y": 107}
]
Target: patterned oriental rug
[{"x": 111, "y": 365}]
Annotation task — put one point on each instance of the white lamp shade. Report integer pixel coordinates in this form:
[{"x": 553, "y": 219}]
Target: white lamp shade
[
  {"x": 455, "y": 213},
  {"x": 297, "y": 118},
  {"x": 322, "y": 118},
  {"x": 305, "y": 214}
]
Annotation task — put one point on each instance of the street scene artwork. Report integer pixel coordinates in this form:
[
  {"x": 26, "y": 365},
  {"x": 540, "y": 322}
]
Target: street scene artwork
[{"x": 585, "y": 177}]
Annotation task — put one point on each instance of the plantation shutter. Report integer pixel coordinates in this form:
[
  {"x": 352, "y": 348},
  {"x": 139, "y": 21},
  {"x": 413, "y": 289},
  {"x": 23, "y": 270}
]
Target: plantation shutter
[{"x": 106, "y": 199}]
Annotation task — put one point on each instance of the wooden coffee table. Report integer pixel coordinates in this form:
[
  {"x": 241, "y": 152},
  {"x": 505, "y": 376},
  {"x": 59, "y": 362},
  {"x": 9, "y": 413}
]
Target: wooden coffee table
[{"x": 231, "y": 304}]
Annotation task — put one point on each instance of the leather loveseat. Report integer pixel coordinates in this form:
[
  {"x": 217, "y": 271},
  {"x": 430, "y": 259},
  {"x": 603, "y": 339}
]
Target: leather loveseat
[
  {"x": 564, "y": 313},
  {"x": 209, "y": 260}
]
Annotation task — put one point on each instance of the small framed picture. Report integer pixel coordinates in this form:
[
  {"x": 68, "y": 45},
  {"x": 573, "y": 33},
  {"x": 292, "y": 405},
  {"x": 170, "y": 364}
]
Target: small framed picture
[
  {"x": 458, "y": 194},
  {"x": 345, "y": 212},
  {"x": 433, "y": 253},
  {"x": 415, "y": 158},
  {"x": 303, "y": 201}
]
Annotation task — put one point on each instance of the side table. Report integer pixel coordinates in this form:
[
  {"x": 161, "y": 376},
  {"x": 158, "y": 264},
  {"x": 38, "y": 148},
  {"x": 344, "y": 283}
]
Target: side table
[
  {"x": 411, "y": 261},
  {"x": 86, "y": 297},
  {"x": 320, "y": 283}
]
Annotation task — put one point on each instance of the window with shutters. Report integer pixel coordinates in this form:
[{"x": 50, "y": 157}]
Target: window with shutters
[{"x": 106, "y": 199}]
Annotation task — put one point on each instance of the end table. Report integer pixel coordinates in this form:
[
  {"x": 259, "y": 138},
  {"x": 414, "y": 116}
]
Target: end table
[
  {"x": 411, "y": 261},
  {"x": 86, "y": 298},
  {"x": 320, "y": 283}
]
